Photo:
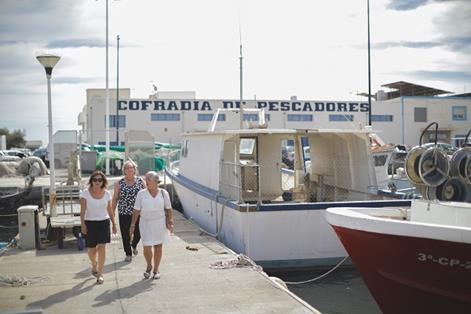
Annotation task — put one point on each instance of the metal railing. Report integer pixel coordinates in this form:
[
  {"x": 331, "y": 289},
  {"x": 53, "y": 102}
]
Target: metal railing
[
  {"x": 253, "y": 183},
  {"x": 67, "y": 196}
]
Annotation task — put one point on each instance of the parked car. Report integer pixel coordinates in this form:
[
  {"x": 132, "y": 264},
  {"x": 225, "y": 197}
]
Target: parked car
[
  {"x": 6, "y": 157},
  {"x": 16, "y": 153},
  {"x": 42, "y": 153},
  {"x": 25, "y": 151}
]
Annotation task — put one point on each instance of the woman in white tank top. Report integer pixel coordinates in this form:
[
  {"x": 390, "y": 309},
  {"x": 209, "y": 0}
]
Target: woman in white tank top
[{"x": 95, "y": 217}]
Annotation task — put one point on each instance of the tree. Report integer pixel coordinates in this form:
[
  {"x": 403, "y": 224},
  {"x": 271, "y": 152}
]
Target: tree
[{"x": 14, "y": 139}]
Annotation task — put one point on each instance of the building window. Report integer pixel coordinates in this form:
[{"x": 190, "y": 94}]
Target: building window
[
  {"x": 209, "y": 117},
  {"x": 459, "y": 113},
  {"x": 300, "y": 117},
  {"x": 165, "y": 117},
  {"x": 340, "y": 117},
  {"x": 381, "y": 118},
  {"x": 112, "y": 143},
  {"x": 121, "y": 121},
  {"x": 420, "y": 114},
  {"x": 254, "y": 117},
  {"x": 459, "y": 140}
]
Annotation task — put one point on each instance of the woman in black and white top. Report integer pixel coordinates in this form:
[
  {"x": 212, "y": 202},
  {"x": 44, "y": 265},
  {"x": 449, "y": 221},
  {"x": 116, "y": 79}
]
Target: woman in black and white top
[
  {"x": 124, "y": 195},
  {"x": 95, "y": 216}
]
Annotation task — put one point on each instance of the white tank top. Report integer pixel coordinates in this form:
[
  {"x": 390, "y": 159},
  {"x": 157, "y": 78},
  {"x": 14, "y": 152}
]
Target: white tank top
[{"x": 96, "y": 208}]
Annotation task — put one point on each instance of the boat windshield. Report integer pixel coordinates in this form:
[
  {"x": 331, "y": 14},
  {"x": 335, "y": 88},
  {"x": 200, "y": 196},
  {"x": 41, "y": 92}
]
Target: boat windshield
[{"x": 247, "y": 146}]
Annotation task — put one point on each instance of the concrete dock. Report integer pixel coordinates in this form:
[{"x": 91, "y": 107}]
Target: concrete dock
[{"x": 199, "y": 275}]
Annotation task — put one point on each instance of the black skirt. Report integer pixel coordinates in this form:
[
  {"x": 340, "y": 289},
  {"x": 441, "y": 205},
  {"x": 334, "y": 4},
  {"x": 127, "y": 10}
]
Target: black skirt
[{"x": 98, "y": 232}]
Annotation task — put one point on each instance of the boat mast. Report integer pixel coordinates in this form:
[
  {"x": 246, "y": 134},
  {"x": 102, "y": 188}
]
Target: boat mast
[{"x": 369, "y": 63}]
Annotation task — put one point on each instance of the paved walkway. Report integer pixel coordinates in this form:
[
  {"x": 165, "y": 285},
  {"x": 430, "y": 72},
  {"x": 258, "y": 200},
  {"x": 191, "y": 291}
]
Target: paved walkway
[{"x": 59, "y": 281}]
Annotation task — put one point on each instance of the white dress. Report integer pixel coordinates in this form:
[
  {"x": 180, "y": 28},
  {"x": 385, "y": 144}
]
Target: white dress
[{"x": 152, "y": 223}]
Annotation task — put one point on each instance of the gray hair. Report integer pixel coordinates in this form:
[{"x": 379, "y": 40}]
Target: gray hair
[{"x": 153, "y": 176}]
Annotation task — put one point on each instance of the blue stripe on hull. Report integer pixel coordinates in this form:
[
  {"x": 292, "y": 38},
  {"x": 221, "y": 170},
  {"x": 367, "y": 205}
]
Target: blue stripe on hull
[{"x": 325, "y": 205}]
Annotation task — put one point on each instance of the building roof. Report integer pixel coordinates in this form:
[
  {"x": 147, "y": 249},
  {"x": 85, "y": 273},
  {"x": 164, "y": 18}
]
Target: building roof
[
  {"x": 366, "y": 95},
  {"x": 402, "y": 88},
  {"x": 461, "y": 95}
]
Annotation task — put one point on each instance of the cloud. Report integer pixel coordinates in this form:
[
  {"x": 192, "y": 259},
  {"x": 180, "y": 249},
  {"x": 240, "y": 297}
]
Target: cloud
[
  {"x": 406, "y": 44},
  {"x": 31, "y": 20},
  {"x": 454, "y": 25},
  {"x": 456, "y": 76},
  {"x": 77, "y": 43},
  {"x": 86, "y": 43},
  {"x": 455, "y": 44},
  {"x": 74, "y": 80},
  {"x": 451, "y": 28},
  {"x": 406, "y": 5}
]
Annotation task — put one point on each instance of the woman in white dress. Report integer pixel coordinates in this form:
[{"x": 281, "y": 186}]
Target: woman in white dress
[
  {"x": 154, "y": 207},
  {"x": 95, "y": 217}
]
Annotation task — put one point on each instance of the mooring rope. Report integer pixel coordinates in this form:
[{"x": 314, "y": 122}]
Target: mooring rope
[
  {"x": 9, "y": 245},
  {"x": 241, "y": 260},
  {"x": 319, "y": 277},
  {"x": 9, "y": 215}
]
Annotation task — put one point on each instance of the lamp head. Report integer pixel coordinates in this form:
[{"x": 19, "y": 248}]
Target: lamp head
[{"x": 48, "y": 62}]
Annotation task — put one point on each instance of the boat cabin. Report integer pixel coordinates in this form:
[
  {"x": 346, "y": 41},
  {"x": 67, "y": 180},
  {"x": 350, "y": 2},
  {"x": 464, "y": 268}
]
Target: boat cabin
[{"x": 249, "y": 165}]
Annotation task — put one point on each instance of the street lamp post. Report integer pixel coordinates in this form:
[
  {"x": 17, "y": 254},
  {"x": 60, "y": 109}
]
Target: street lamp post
[
  {"x": 107, "y": 113},
  {"x": 48, "y": 62},
  {"x": 117, "y": 91}
]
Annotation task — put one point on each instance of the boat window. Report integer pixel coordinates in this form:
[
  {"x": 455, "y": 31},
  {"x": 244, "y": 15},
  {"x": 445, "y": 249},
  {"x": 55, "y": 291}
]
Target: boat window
[
  {"x": 307, "y": 153},
  {"x": 185, "y": 148},
  {"x": 287, "y": 154},
  {"x": 247, "y": 146}
]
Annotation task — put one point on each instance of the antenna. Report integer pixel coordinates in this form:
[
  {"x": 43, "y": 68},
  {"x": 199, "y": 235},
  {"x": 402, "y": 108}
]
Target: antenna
[{"x": 241, "y": 86}]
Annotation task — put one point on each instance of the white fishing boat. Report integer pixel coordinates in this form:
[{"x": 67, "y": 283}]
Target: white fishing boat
[{"x": 231, "y": 183}]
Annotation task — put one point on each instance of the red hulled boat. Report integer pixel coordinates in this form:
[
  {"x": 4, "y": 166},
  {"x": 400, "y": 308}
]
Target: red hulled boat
[{"x": 413, "y": 260}]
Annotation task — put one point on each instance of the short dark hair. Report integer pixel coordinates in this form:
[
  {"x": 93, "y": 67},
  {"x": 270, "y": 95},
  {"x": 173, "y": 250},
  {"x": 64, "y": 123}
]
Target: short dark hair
[{"x": 104, "y": 183}]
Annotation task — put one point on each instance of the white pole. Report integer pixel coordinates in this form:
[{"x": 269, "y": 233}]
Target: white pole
[
  {"x": 107, "y": 114},
  {"x": 241, "y": 93},
  {"x": 52, "y": 178}
]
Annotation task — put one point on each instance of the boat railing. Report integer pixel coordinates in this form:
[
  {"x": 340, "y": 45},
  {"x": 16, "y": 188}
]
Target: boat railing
[
  {"x": 260, "y": 121},
  {"x": 172, "y": 159},
  {"x": 250, "y": 182}
]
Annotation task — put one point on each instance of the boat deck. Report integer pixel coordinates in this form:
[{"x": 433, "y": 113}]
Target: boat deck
[{"x": 52, "y": 280}]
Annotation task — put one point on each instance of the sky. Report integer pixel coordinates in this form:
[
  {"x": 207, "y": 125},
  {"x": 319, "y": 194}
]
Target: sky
[{"x": 312, "y": 49}]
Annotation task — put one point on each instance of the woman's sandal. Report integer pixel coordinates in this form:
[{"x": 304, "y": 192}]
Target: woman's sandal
[
  {"x": 100, "y": 280},
  {"x": 95, "y": 272},
  {"x": 156, "y": 275},
  {"x": 147, "y": 273}
]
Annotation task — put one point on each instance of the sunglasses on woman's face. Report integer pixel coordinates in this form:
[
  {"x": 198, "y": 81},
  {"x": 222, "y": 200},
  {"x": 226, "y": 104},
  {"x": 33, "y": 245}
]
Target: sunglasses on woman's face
[{"x": 97, "y": 180}]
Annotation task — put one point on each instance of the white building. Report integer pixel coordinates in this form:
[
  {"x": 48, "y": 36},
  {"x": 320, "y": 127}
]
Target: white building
[{"x": 400, "y": 119}]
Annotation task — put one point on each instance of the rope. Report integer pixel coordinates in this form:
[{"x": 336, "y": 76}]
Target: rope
[
  {"x": 319, "y": 277},
  {"x": 17, "y": 281},
  {"x": 9, "y": 245},
  {"x": 8, "y": 227},
  {"x": 241, "y": 261},
  {"x": 9, "y": 215}
]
